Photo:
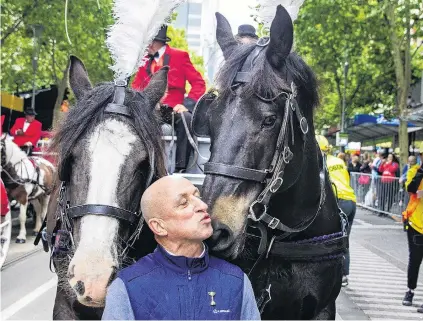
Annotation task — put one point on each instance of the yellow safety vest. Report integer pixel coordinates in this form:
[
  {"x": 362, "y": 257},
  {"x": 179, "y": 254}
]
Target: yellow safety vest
[
  {"x": 414, "y": 210},
  {"x": 341, "y": 178}
]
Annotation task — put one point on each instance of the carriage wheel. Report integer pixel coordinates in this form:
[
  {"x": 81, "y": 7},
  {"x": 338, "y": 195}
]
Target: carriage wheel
[{"x": 5, "y": 236}]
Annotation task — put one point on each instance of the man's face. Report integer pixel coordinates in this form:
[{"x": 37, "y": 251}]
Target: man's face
[
  {"x": 412, "y": 160},
  {"x": 154, "y": 47},
  {"x": 186, "y": 217},
  {"x": 29, "y": 118}
]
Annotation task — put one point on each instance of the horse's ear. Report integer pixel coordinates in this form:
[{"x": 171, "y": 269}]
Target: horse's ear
[
  {"x": 224, "y": 36},
  {"x": 157, "y": 86},
  {"x": 281, "y": 38},
  {"x": 78, "y": 77}
]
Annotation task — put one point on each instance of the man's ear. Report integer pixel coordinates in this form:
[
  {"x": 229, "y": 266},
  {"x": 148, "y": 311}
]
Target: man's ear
[{"x": 157, "y": 226}]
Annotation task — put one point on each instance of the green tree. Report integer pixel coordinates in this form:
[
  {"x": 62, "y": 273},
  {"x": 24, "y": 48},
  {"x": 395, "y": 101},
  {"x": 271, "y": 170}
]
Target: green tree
[
  {"x": 329, "y": 33},
  {"x": 399, "y": 18},
  {"x": 87, "y": 25}
]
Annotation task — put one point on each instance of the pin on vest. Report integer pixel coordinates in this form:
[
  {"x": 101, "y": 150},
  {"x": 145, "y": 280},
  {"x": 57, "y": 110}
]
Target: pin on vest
[{"x": 212, "y": 294}]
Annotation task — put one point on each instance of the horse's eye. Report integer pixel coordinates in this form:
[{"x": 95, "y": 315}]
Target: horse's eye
[{"x": 269, "y": 121}]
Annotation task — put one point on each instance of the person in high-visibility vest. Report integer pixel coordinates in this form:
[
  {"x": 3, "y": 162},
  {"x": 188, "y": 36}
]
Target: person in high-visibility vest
[
  {"x": 413, "y": 220},
  {"x": 340, "y": 178}
]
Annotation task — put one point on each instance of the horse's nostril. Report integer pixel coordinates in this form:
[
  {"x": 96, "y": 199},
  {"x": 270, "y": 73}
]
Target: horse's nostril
[
  {"x": 222, "y": 238},
  {"x": 79, "y": 288}
]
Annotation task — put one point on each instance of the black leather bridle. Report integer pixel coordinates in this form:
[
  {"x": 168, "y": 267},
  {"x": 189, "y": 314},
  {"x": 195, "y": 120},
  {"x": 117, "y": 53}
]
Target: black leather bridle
[
  {"x": 272, "y": 177},
  {"x": 66, "y": 214}
]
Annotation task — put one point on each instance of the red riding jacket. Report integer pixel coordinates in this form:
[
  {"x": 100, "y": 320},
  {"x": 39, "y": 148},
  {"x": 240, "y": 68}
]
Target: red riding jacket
[
  {"x": 4, "y": 206},
  {"x": 32, "y": 133},
  {"x": 180, "y": 71}
]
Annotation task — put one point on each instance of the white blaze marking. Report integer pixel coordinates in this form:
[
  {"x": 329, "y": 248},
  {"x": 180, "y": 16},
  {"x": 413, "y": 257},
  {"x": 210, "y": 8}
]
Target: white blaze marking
[{"x": 109, "y": 146}]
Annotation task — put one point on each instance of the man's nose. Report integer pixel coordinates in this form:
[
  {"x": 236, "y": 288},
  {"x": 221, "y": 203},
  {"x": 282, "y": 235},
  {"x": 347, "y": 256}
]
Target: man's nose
[{"x": 200, "y": 205}]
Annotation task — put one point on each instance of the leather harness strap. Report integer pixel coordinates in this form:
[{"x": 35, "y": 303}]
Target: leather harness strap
[
  {"x": 103, "y": 210},
  {"x": 236, "y": 172},
  {"x": 307, "y": 251}
]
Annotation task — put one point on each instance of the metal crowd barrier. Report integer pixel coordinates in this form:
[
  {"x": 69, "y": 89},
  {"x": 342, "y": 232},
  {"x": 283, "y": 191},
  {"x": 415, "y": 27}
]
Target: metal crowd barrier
[{"x": 385, "y": 195}]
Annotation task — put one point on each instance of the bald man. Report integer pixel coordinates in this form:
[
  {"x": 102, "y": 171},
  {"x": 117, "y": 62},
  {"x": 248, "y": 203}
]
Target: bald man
[{"x": 179, "y": 280}]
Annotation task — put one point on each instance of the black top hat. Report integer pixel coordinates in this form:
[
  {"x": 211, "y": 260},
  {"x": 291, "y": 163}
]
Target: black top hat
[
  {"x": 247, "y": 30},
  {"x": 162, "y": 35},
  {"x": 30, "y": 112}
]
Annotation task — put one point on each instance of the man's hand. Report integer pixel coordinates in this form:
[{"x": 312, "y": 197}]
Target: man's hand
[
  {"x": 28, "y": 144},
  {"x": 179, "y": 108},
  {"x": 419, "y": 194},
  {"x": 19, "y": 132}
]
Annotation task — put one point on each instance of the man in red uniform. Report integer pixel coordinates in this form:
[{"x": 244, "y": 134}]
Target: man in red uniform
[
  {"x": 181, "y": 70},
  {"x": 27, "y": 131}
]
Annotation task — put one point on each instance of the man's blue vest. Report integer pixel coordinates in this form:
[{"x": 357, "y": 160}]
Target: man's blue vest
[{"x": 164, "y": 287}]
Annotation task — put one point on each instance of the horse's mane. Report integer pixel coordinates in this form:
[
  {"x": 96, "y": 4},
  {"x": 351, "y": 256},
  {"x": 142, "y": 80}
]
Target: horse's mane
[
  {"x": 88, "y": 113},
  {"x": 266, "y": 81}
]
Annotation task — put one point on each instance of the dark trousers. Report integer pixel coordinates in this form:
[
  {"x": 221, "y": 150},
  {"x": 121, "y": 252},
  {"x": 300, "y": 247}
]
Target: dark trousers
[
  {"x": 183, "y": 147},
  {"x": 349, "y": 208},
  {"x": 415, "y": 256}
]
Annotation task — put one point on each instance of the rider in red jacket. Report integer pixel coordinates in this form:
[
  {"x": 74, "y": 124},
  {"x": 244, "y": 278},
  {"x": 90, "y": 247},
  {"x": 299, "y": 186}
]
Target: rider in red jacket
[
  {"x": 4, "y": 208},
  {"x": 181, "y": 70},
  {"x": 26, "y": 131}
]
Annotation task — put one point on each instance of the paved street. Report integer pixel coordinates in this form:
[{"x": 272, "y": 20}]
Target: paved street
[{"x": 377, "y": 280}]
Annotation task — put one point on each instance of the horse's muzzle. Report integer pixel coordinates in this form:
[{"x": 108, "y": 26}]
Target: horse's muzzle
[{"x": 222, "y": 240}]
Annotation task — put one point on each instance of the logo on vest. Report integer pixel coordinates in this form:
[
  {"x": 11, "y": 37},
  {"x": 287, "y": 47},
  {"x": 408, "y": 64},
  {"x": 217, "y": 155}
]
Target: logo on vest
[{"x": 215, "y": 311}]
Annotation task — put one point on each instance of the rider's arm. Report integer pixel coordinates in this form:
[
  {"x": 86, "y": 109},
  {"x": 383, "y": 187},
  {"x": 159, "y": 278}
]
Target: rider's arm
[
  {"x": 198, "y": 86},
  {"x": 15, "y": 128},
  {"x": 118, "y": 306}
]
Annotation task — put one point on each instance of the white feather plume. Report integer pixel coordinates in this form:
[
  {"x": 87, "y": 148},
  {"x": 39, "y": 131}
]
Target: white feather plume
[
  {"x": 137, "y": 22},
  {"x": 267, "y": 9}
]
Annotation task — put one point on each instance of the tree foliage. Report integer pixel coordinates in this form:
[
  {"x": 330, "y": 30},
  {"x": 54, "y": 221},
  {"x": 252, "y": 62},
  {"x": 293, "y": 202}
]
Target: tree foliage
[
  {"x": 332, "y": 32},
  {"x": 329, "y": 33},
  {"x": 87, "y": 25}
]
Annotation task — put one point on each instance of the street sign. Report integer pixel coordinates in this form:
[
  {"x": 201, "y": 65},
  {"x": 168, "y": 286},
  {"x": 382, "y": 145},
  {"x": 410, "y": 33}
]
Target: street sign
[{"x": 341, "y": 139}]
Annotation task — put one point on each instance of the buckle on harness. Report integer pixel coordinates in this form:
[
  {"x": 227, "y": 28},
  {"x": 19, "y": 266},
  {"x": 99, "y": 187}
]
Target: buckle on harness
[
  {"x": 252, "y": 215},
  {"x": 273, "y": 223}
]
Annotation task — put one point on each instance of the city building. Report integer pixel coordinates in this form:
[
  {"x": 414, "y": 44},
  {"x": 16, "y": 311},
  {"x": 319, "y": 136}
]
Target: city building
[{"x": 197, "y": 18}]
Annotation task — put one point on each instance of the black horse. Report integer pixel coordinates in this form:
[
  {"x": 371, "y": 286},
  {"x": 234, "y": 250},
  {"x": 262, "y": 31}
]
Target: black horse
[
  {"x": 273, "y": 209},
  {"x": 109, "y": 150}
]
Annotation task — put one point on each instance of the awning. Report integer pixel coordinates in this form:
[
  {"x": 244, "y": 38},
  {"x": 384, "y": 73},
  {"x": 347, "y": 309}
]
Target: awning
[
  {"x": 11, "y": 102},
  {"x": 415, "y": 116},
  {"x": 367, "y": 127}
]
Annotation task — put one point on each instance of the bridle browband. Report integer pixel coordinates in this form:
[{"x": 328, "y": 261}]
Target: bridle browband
[{"x": 66, "y": 213}]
